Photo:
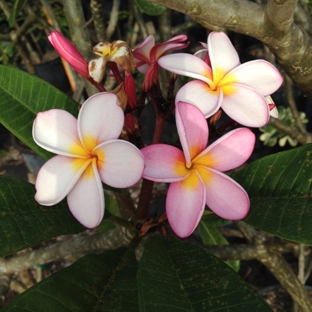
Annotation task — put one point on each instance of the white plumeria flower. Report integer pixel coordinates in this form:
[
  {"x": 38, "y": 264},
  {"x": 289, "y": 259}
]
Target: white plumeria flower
[
  {"x": 221, "y": 81},
  {"x": 89, "y": 153}
]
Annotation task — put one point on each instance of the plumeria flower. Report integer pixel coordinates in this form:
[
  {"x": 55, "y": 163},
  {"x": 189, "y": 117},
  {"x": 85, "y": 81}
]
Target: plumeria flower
[
  {"x": 88, "y": 153},
  {"x": 195, "y": 172},
  {"x": 221, "y": 81},
  {"x": 147, "y": 54}
]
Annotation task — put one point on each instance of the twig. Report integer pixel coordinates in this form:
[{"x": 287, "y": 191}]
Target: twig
[
  {"x": 113, "y": 21},
  {"x": 111, "y": 239},
  {"x": 293, "y": 106}
]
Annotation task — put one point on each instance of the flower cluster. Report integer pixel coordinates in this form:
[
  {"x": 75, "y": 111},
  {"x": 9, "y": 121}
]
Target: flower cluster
[{"x": 93, "y": 149}]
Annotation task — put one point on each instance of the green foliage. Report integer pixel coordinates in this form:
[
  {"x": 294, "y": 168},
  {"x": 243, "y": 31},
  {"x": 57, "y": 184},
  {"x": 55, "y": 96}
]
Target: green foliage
[
  {"x": 271, "y": 136},
  {"x": 103, "y": 282},
  {"x": 279, "y": 187},
  {"x": 208, "y": 230},
  {"x": 22, "y": 96},
  {"x": 150, "y": 8},
  {"x": 24, "y": 223},
  {"x": 171, "y": 276}
]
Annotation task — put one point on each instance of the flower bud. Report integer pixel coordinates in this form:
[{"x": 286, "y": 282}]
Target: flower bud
[
  {"x": 130, "y": 90},
  {"x": 69, "y": 53}
]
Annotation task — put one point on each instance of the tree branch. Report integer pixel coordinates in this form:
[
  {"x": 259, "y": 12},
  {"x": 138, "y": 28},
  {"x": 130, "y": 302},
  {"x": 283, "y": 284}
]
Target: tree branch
[{"x": 112, "y": 239}]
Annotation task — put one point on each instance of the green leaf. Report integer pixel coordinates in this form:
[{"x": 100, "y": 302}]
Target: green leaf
[
  {"x": 22, "y": 96},
  {"x": 104, "y": 282},
  {"x": 150, "y": 8},
  {"x": 17, "y": 7},
  {"x": 280, "y": 191},
  {"x": 209, "y": 232},
  {"x": 24, "y": 223},
  {"x": 176, "y": 276},
  {"x": 211, "y": 235}
]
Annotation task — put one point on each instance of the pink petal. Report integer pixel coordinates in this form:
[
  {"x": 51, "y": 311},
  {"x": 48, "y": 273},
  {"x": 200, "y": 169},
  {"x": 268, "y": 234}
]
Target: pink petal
[
  {"x": 57, "y": 177},
  {"x": 164, "y": 163},
  {"x": 174, "y": 43},
  {"x": 69, "y": 52},
  {"x": 193, "y": 130},
  {"x": 187, "y": 65},
  {"x": 222, "y": 54},
  {"x": 55, "y": 130},
  {"x": 143, "y": 68},
  {"x": 245, "y": 106},
  {"x": 225, "y": 197},
  {"x": 230, "y": 151},
  {"x": 122, "y": 164},
  {"x": 86, "y": 199},
  {"x": 100, "y": 119},
  {"x": 142, "y": 52},
  {"x": 198, "y": 93},
  {"x": 185, "y": 204},
  {"x": 259, "y": 75}
]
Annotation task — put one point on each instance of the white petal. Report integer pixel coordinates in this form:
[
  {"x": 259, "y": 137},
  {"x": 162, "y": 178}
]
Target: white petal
[
  {"x": 55, "y": 130},
  {"x": 123, "y": 163},
  {"x": 57, "y": 177},
  {"x": 246, "y": 106},
  {"x": 259, "y": 75},
  {"x": 86, "y": 199},
  {"x": 100, "y": 119},
  {"x": 222, "y": 54},
  {"x": 198, "y": 93}
]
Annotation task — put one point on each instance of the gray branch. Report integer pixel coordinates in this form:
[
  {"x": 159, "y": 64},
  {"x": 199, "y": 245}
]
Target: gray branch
[{"x": 81, "y": 245}]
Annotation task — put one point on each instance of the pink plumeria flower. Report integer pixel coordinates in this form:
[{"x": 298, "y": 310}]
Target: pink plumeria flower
[
  {"x": 147, "y": 54},
  {"x": 88, "y": 153},
  {"x": 69, "y": 53},
  {"x": 195, "y": 172},
  {"x": 221, "y": 81}
]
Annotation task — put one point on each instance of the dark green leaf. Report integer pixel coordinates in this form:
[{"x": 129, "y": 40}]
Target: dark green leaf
[
  {"x": 279, "y": 187},
  {"x": 24, "y": 223},
  {"x": 211, "y": 235},
  {"x": 150, "y": 8},
  {"x": 104, "y": 282},
  {"x": 176, "y": 276},
  {"x": 22, "y": 96}
]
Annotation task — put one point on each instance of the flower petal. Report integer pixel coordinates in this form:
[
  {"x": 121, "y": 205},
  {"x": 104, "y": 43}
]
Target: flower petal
[
  {"x": 187, "y": 65},
  {"x": 142, "y": 52},
  {"x": 222, "y": 54},
  {"x": 86, "y": 199},
  {"x": 193, "y": 130},
  {"x": 246, "y": 106},
  {"x": 259, "y": 75},
  {"x": 225, "y": 197},
  {"x": 198, "y": 93},
  {"x": 57, "y": 177},
  {"x": 164, "y": 163},
  {"x": 100, "y": 119},
  {"x": 229, "y": 152},
  {"x": 96, "y": 68},
  {"x": 185, "y": 204},
  {"x": 122, "y": 164},
  {"x": 174, "y": 43},
  {"x": 55, "y": 130}
]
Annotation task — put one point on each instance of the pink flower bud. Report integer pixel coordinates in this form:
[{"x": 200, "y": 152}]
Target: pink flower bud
[
  {"x": 69, "y": 53},
  {"x": 130, "y": 90}
]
